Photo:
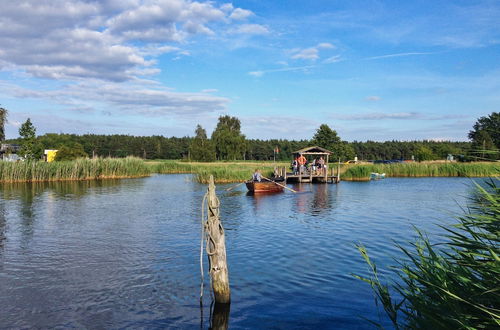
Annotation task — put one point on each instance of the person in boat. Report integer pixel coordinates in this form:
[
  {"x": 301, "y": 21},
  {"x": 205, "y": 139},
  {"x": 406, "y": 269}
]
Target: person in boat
[{"x": 257, "y": 176}]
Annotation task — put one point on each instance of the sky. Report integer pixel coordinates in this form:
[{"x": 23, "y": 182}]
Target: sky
[{"x": 371, "y": 70}]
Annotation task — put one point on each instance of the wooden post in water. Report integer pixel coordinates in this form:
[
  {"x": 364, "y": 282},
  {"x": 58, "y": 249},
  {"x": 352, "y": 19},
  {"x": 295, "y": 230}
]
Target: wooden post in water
[
  {"x": 216, "y": 249},
  {"x": 338, "y": 172},
  {"x": 326, "y": 169}
]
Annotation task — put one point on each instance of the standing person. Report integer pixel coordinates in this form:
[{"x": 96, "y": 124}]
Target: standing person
[
  {"x": 321, "y": 164},
  {"x": 295, "y": 165},
  {"x": 257, "y": 176},
  {"x": 302, "y": 161},
  {"x": 314, "y": 166}
]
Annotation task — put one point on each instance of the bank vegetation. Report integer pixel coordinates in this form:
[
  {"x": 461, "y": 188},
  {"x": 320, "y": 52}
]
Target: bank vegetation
[{"x": 223, "y": 172}]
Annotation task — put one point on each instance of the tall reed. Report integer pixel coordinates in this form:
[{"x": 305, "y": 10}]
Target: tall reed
[
  {"x": 80, "y": 169},
  {"x": 453, "y": 285},
  {"x": 362, "y": 172},
  {"x": 223, "y": 172}
]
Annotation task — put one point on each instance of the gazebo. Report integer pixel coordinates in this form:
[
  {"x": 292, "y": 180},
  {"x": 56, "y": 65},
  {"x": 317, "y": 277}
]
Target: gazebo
[{"x": 315, "y": 151}]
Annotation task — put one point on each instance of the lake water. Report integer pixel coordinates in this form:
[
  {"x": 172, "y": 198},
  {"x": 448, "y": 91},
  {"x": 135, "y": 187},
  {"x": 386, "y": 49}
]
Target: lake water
[{"x": 125, "y": 253}]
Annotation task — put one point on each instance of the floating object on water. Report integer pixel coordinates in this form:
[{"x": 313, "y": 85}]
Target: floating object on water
[{"x": 377, "y": 176}]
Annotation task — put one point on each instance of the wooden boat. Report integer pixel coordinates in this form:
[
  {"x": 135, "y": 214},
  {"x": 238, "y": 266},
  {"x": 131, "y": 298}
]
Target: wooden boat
[{"x": 263, "y": 187}]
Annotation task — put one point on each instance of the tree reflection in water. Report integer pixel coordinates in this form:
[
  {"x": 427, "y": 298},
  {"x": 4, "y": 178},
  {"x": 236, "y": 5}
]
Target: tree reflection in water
[{"x": 3, "y": 224}]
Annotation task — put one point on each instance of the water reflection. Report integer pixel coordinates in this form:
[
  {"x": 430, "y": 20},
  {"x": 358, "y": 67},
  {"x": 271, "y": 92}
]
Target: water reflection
[
  {"x": 315, "y": 199},
  {"x": 320, "y": 200},
  {"x": 71, "y": 189},
  {"x": 220, "y": 317},
  {"x": 258, "y": 200},
  {"x": 3, "y": 225},
  {"x": 27, "y": 213}
]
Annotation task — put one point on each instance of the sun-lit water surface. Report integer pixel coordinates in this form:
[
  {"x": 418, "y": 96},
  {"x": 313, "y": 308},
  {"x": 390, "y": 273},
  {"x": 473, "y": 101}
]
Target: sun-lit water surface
[{"x": 125, "y": 253}]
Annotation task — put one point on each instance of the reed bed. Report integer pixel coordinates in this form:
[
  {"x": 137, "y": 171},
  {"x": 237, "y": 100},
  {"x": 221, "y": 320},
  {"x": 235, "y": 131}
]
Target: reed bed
[
  {"x": 223, "y": 172},
  {"x": 80, "y": 169},
  {"x": 452, "y": 284},
  {"x": 362, "y": 172}
]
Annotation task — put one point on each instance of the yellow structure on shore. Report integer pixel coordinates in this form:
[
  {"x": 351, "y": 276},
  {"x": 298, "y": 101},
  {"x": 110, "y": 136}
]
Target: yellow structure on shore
[{"x": 50, "y": 155}]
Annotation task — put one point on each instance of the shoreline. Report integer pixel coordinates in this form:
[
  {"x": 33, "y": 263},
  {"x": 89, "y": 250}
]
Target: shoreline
[{"x": 223, "y": 172}]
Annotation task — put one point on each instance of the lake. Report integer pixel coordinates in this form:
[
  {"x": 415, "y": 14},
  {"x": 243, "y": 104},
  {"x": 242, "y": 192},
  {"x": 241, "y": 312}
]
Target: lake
[{"x": 125, "y": 253}]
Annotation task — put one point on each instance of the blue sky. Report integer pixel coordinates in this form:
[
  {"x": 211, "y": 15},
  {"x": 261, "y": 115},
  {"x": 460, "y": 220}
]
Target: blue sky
[{"x": 371, "y": 70}]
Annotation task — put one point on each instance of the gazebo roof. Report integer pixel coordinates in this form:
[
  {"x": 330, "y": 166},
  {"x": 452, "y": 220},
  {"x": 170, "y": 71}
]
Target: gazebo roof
[{"x": 313, "y": 151}]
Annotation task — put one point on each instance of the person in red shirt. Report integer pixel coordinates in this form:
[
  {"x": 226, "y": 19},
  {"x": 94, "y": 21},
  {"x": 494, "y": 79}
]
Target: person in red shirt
[{"x": 302, "y": 161}]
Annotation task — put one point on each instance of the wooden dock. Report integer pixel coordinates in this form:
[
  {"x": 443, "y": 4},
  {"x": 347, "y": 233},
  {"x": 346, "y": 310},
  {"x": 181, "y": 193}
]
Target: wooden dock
[{"x": 306, "y": 176}]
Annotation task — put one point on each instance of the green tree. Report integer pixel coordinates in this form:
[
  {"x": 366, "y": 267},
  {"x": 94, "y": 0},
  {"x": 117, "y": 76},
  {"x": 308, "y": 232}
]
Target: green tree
[
  {"x": 70, "y": 152},
  {"x": 490, "y": 124},
  {"x": 30, "y": 148},
  {"x": 485, "y": 137},
  {"x": 3, "y": 120},
  {"x": 201, "y": 148},
  {"x": 327, "y": 138},
  {"x": 230, "y": 144},
  {"x": 424, "y": 153}
]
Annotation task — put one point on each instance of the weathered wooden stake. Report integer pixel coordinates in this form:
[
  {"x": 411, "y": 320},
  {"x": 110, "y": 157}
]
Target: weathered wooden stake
[{"x": 216, "y": 249}]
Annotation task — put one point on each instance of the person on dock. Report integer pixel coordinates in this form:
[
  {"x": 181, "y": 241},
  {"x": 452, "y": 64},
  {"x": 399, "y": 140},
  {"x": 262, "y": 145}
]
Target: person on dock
[
  {"x": 321, "y": 165},
  {"x": 302, "y": 161},
  {"x": 257, "y": 176},
  {"x": 295, "y": 166}
]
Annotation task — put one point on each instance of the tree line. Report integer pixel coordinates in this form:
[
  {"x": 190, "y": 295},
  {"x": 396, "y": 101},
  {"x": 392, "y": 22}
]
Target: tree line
[{"x": 228, "y": 143}]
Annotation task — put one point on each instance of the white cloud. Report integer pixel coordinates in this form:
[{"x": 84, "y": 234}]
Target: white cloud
[
  {"x": 260, "y": 73},
  {"x": 117, "y": 98},
  {"x": 109, "y": 40},
  {"x": 256, "y": 29},
  {"x": 333, "y": 59},
  {"x": 240, "y": 14},
  {"x": 311, "y": 53},
  {"x": 397, "y": 55},
  {"x": 256, "y": 73},
  {"x": 325, "y": 45},
  {"x": 306, "y": 54},
  {"x": 373, "y": 98},
  {"x": 379, "y": 116}
]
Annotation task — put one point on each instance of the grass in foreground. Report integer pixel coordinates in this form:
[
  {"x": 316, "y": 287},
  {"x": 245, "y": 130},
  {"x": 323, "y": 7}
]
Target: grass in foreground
[{"x": 455, "y": 286}]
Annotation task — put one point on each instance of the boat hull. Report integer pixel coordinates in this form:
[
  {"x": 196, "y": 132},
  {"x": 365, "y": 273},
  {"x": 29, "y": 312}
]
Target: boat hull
[{"x": 263, "y": 187}]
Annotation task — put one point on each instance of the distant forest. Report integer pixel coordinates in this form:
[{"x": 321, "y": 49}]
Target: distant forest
[{"x": 160, "y": 147}]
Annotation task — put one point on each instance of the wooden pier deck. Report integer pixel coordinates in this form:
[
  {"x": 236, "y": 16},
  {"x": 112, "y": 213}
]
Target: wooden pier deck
[{"x": 308, "y": 177}]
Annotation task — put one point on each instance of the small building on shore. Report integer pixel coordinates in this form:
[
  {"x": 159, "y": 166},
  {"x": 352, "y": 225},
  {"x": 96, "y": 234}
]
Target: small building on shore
[
  {"x": 8, "y": 152},
  {"x": 49, "y": 155}
]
